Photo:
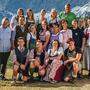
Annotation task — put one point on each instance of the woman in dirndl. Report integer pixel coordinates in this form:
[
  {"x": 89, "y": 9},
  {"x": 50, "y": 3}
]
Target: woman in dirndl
[
  {"x": 54, "y": 63},
  {"x": 87, "y": 47}
]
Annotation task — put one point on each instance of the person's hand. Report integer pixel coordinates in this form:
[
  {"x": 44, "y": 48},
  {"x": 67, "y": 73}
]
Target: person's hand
[
  {"x": 65, "y": 62},
  {"x": 82, "y": 49},
  {"x": 16, "y": 67},
  {"x": 37, "y": 58},
  {"x": 47, "y": 60},
  {"x": 22, "y": 66},
  {"x": 16, "y": 63},
  {"x": 12, "y": 47}
]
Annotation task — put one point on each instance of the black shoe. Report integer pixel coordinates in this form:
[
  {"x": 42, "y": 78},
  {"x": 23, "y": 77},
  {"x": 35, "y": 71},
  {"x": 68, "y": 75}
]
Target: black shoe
[
  {"x": 79, "y": 77},
  {"x": 71, "y": 81},
  {"x": 2, "y": 78},
  {"x": 88, "y": 76}
]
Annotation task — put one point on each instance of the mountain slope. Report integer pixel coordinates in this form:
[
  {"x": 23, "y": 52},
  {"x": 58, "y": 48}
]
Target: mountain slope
[
  {"x": 37, "y": 5},
  {"x": 9, "y": 7}
]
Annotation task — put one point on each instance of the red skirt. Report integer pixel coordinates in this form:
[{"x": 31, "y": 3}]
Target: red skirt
[{"x": 59, "y": 73}]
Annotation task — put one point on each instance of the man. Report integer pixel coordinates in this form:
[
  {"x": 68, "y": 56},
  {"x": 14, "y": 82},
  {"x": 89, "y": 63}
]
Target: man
[
  {"x": 78, "y": 35},
  {"x": 72, "y": 56},
  {"x": 20, "y": 31},
  {"x": 79, "y": 38},
  {"x": 37, "y": 57},
  {"x": 5, "y": 45},
  {"x": 20, "y": 60},
  {"x": 67, "y": 15}
]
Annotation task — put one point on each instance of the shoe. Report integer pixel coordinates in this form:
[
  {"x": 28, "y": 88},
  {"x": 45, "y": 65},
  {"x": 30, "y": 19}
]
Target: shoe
[
  {"x": 79, "y": 77},
  {"x": 88, "y": 76},
  {"x": 0, "y": 78},
  {"x": 13, "y": 82},
  {"x": 72, "y": 80},
  {"x": 3, "y": 78},
  {"x": 53, "y": 81}
]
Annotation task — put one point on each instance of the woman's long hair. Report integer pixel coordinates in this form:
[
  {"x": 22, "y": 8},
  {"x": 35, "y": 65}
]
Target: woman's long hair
[{"x": 32, "y": 16}]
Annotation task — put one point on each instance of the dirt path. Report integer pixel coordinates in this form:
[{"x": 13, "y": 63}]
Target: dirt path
[{"x": 83, "y": 84}]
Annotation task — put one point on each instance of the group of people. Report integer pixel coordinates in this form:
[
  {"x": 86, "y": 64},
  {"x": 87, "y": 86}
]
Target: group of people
[{"x": 51, "y": 51}]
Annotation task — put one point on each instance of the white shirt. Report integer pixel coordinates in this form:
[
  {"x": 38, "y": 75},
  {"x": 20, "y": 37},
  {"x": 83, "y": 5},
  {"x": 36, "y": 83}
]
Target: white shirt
[
  {"x": 58, "y": 52},
  {"x": 29, "y": 35},
  {"x": 87, "y": 32},
  {"x": 64, "y": 36},
  {"x": 5, "y": 39}
]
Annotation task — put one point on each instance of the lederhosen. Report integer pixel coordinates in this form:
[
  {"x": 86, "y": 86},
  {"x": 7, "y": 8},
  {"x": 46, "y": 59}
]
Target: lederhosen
[
  {"x": 69, "y": 67},
  {"x": 21, "y": 58},
  {"x": 41, "y": 56}
]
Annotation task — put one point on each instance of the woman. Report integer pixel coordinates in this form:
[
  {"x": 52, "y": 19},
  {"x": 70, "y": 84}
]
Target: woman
[
  {"x": 41, "y": 19},
  {"x": 42, "y": 15},
  {"x": 44, "y": 35},
  {"x": 29, "y": 17},
  {"x": 31, "y": 37},
  {"x": 65, "y": 34},
  {"x": 87, "y": 46},
  {"x": 54, "y": 63},
  {"x": 82, "y": 24},
  {"x": 55, "y": 33},
  {"x": 72, "y": 57}
]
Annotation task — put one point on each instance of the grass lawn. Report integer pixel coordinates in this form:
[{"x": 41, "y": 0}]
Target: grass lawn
[{"x": 83, "y": 84}]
